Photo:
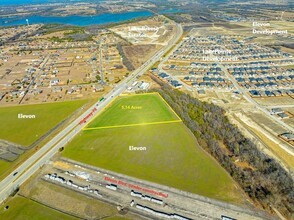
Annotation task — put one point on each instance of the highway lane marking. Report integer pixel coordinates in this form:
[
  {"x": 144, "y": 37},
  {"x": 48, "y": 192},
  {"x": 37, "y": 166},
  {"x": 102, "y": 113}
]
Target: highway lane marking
[
  {"x": 54, "y": 145},
  {"x": 42, "y": 155},
  {"x": 132, "y": 125},
  {"x": 20, "y": 174},
  {"x": 36, "y": 161},
  {"x": 100, "y": 112}
]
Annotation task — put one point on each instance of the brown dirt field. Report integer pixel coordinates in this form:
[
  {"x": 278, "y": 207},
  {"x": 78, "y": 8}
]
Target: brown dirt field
[
  {"x": 287, "y": 158},
  {"x": 138, "y": 54},
  {"x": 274, "y": 147},
  {"x": 59, "y": 34},
  {"x": 229, "y": 26},
  {"x": 72, "y": 202}
]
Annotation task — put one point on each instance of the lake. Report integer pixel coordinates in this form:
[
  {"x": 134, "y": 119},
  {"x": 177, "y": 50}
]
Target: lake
[
  {"x": 168, "y": 11},
  {"x": 25, "y": 2},
  {"x": 76, "y": 19}
]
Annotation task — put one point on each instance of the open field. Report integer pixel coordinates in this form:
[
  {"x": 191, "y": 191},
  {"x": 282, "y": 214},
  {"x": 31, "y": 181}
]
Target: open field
[
  {"x": 136, "y": 109},
  {"x": 22, "y": 208},
  {"x": 69, "y": 201},
  {"x": 158, "y": 32},
  {"x": 286, "y": 157},
  {"x": 138, "y": 54},
  {"x": 25, "y": 131},
  {"x": 275, "y": 101},
  {"x": 4, "y": 165},
  {"x": 171, "y": 157}
]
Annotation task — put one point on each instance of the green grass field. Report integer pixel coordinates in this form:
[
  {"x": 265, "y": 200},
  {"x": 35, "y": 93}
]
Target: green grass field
[
  {"x": 26, "y": 131},
  {"x": 4, "y": 165},
  {"x": 172, "y": 158},
  {"x": 289, "y": 67},
  {"x": 22, "y": 209},
  {"x": 135, "y": 109}
]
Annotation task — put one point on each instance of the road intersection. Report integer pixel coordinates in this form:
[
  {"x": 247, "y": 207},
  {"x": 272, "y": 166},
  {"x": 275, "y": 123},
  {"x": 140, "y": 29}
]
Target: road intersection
[{"x": 43, "y": 155}]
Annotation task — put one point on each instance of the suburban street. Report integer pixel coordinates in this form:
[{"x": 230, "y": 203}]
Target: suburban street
[
  {"x": 44, "y": 62},
  {"x": 249, "y": 99},
  {"x": 42, "y": 156},
  {"x": 264, "y": 109}
]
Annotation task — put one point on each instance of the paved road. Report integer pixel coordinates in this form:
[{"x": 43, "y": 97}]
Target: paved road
[
  {"x": 279, "y": 106},
  {"x": 238, "y": 87},
  {"x": 250, "y": 99},
  {"x": 181, "y": 202},
  {"x": 42, "y": 156},
  {"x": 173, "y": 77},
  {"x": 36, "y": 76}
]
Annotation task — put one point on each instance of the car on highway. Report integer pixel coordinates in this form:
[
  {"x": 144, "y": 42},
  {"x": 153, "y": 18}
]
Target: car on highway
[{"x": 15, "y": 173}]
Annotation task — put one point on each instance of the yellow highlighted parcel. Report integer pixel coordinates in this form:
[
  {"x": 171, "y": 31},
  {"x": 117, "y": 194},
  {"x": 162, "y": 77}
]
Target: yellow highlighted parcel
[{"x": 131, "y": 125}]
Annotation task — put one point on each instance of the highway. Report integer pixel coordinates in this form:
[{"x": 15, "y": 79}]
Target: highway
[
  {"x": 279, "y": 106},
  {"x": 173, "y": 77},
  {"x": 42, "y": 156}
]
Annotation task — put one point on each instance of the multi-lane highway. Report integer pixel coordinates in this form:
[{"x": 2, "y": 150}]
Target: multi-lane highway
[{"x": 42, "y": 156}]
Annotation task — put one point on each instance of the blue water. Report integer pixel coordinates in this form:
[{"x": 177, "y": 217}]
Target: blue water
[
  {"x": 170, "y": 11},
  {"x": 19, "y": 2},
  {"x": 22, "y": 2},
  {"x": 75, "y": 20}
]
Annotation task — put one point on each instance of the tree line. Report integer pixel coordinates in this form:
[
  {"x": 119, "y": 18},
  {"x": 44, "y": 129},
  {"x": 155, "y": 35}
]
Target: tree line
[
  {"x": 263, "y": 179},
  {"x": 125, "y": 60}
]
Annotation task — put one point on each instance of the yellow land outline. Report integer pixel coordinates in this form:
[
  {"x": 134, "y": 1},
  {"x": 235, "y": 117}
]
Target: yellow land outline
[
  {"x": 102, "y": 110},
  {"x": 154, "y": 93},
  {"x": 129, "y": 125},
  {"x": 168, "y": 105},
  {"x": 138, "y": 94},
  {"x": 132, "y": 125}
]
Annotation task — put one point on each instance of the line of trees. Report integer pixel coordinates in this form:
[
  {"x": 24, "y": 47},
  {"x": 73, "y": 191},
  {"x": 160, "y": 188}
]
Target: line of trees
[
  {"x": 125, "y": 60},
  {"x": 263, "y": 179}
]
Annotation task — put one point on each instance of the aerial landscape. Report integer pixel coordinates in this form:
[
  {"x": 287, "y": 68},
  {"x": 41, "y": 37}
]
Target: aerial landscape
[{"x": 145, "y": 109}]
